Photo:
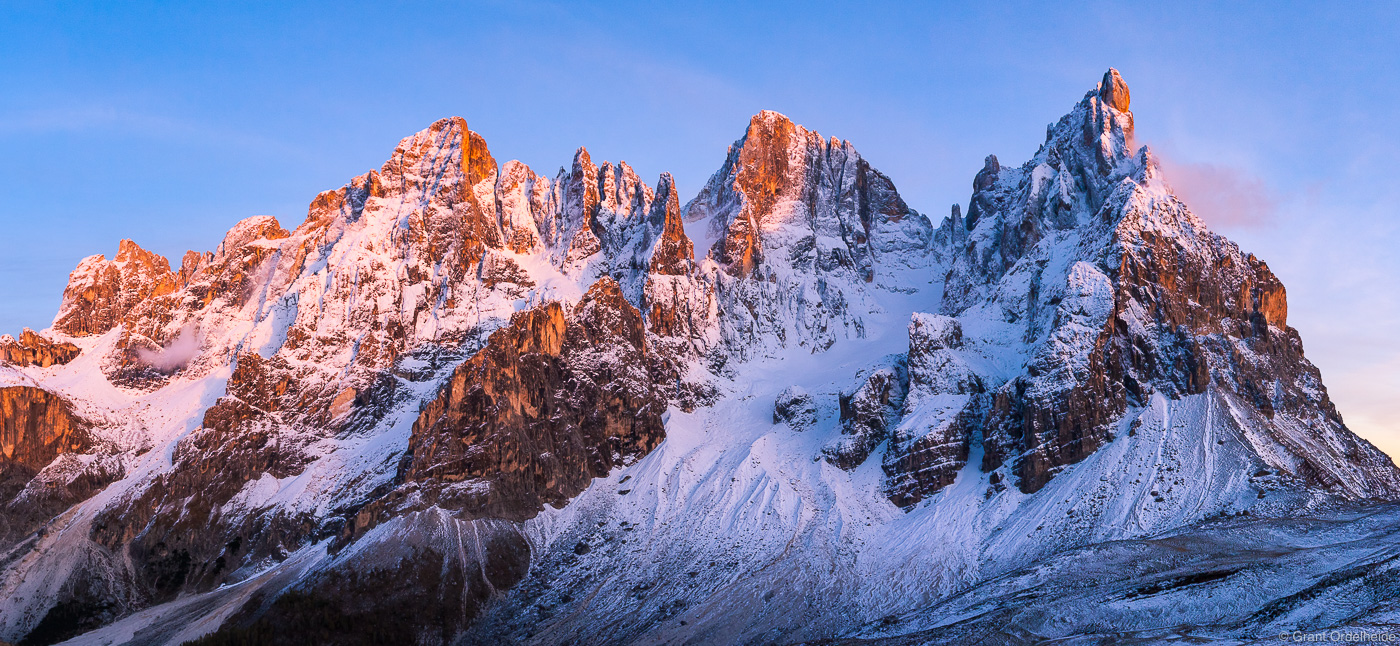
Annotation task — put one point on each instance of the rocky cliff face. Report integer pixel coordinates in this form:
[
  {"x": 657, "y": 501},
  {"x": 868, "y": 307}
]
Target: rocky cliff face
[
  {"x": 42, "y": 467},
  {"x": 465, "y": 401},
  {"x": 101, "y": 293},
  {"x": 37, "y": 426},
  {"x": 546, "y": 406},
  {"x": 34, "y": 350},
  {"x": 942, "y": 410}
]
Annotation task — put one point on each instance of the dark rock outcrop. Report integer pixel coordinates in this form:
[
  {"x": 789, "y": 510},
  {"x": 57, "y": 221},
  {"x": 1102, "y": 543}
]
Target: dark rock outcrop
[
  {"x": 795, "y": 407},
  {"x": 550, "y": 403},
  {"x": 34, "y": 350},
  {"x": 943, "y": 407},
  {"x": 868, "y": 413}
]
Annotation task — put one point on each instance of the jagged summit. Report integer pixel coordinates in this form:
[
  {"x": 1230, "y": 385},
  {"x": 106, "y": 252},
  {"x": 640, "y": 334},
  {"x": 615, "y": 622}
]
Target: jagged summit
[
  {"x": 1114, "y": 91},
  {"x": 464, "y": 402},
  {"x": 786, "y": 192}
]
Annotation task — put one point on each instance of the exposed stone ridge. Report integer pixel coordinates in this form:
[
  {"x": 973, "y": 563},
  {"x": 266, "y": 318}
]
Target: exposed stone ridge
[
  {"x": 1188, "y": 311},
  {"x": 37, "y": 426},
  {"x": 34, "y": 350},
  {"x": 1114, "y": 91},
  {"x": 102, "y": 292},
  {"x": 1063, "y": 186},
  {"x": 867, "y": 415},
  {"x": 444, "y": 292},
  {"x": 802, "y": 229},
  {"x": 672, "y": 254},
  {"x": 786, "y": 195},
  {"x": 930, "y": 446},
  {"x": 551, "y": 402}
]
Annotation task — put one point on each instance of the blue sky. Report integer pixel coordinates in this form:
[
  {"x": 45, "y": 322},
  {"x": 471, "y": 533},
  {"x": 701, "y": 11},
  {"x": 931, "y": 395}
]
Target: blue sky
[{"x": 168, "y": 123}]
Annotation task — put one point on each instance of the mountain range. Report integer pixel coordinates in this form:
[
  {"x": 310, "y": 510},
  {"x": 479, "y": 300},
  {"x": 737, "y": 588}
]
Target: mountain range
[{"x": 464, "y": 402}]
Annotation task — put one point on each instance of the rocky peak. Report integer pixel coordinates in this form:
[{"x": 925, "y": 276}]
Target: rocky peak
[
  {"x": 673, "y": 253},
  {"x": 1063, "y": 187},
  {"x": 605, "y": 316},
  {"x": 446, "y": 146},
  {"x": 579, "y": 201},
  {"x": 1121, "y": 295},
  {"x": 619, "y": 222},
  {"x": 101, "y": 293},
  {"x": 786, "y": 196},
  {"x": 621, "y": 191},
  {"x": 448, "y": 173},
  {"x": 809, "y": 217},
  {"x": 34, "y": 350},
  {"x": 1114, "y": 91},
  {"x": 443, "y": 348},
  {"x": 988, "y": 174},
  {"x": 248, "y": 231},
  {"x": 523, "y": 202}
]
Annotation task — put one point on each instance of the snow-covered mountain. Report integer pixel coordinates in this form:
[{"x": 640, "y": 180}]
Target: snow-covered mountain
[{"x": 463, "y": 402}]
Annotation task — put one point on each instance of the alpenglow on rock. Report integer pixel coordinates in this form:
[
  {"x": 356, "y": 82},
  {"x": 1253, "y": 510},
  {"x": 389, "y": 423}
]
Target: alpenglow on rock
[{"x": 467, "y": 402}]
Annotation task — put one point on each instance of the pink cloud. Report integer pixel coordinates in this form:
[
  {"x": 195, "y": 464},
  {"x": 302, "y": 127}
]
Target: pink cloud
[{"x": 1221, "y": 195}]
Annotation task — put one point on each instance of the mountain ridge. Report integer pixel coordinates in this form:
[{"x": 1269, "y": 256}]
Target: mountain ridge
[{"x": 463, "y": 374}]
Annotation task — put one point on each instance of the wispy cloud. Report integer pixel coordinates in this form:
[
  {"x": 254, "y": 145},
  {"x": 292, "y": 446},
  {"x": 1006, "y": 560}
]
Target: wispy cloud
[
  {"x": 1223, "y": 196},
  {"x": 175, "y": 354},
  {"x": 109, "y": 119}
]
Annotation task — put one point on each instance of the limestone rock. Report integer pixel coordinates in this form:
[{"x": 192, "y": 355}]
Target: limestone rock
[
  {"x": 931, "y": 443},
  {"x": 1114, "y": 91},
  {"x": 795, "y": 407},
  {"x": 37, "y": 426},
  {"x": 673, "y": 254},
  {"x": 376, "y": 409},
  {"x": 34, "y": 350},
  {"x": 551, "y": 402},
  {"x": 868, "y": 414},
  {"x": 101, "y": 293}
]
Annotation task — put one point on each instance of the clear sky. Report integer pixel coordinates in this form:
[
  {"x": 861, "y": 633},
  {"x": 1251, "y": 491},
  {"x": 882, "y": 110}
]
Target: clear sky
[{"x": 167, "y": 123}]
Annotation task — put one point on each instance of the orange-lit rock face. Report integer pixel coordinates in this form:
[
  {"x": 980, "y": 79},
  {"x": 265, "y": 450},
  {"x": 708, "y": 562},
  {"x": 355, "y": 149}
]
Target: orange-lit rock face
[
  {"x": 673, "y": 254},
  {"x": 763, "y": 177},
  {"x": 101, "y": 293},
  {"x": 37, "y": 426},
  {"x": 551, "y": 402},
  {"x": 451, "y": 167},
  {"x": 416, "y": 370},
  {"x": 765, "y": 163},
  {"x": 346, "y": 203},
  {"x": 34, "y": 350},
  {"x": 788, "y": 197},
  {"x": 1114, "y": 91}
]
